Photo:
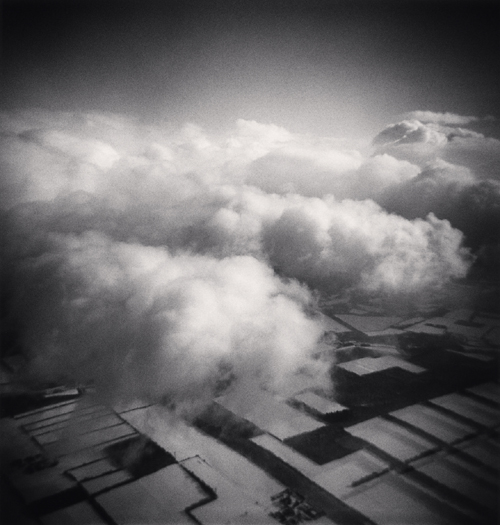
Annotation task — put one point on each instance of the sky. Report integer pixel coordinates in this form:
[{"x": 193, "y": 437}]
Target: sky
[
  {"x": 180, "y": 180},
  {"x": 337, "y": 68}
]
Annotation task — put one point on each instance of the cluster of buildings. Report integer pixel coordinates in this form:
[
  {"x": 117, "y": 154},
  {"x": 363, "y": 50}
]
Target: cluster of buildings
[{"x": 293, "y": 509}]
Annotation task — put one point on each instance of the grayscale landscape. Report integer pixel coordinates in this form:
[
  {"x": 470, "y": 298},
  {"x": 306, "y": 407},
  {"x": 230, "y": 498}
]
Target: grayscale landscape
[{"x": 250, "y": 260}]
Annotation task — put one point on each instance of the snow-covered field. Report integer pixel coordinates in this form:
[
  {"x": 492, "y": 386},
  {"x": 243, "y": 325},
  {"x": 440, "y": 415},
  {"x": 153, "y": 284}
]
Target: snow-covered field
[
  {"x": 405, "y": 323},
  {"x": 391, "y": 500},
  {"x": 485, "y": 449},
  {"x": 330, "y": 325},
  {"x": 158, "y": 498},
  {"x": 369, "y": 323},
  {"x": 184, "y": 441},
  {"x": 424, "y": 328},
  {"x": 462, "y": 477},
  {"x": 273, "y": 416},
  {"x": 288, "y": 455},
  {"x": 320, "y": 404},
  {"x": 434, "y": 422},
  {"x": 232, "y": 504},
  {"x": 106, "y": 482},
  {"x": 337, "y": 477},
  {"x": 384, "y": 332},
  {"x": 451, "y": 325},
  {"x": 490, "y": 391},
  {"x": 47, "y": 414},
  {"x": 74, "y": 443},
  {"x": 369, "y": 365},
  {"x": 391, "y": 438},
  {"x": 92, "y": 470},
  {"x": 469, "y": 408}
]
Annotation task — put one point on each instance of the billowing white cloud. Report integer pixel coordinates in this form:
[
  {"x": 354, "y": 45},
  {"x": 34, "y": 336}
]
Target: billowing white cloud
[
  {"x": 150, "y": 257},
  {"x": 356, "y": 243},
  {"x": 307, "y": 171},
  {"x": 315, "y": 170},
  {"x": 142, "y": 322}
]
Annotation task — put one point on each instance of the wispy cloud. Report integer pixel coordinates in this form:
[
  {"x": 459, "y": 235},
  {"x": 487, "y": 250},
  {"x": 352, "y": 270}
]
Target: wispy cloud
[{"x": 445, "y": 118}]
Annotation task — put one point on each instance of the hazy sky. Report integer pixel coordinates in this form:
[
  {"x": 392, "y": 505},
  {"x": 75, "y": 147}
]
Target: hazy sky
[{"x": 328, "y": 67}]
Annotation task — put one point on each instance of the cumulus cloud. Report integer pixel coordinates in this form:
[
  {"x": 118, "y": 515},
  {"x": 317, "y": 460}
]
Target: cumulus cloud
[
  {"x": 434, "y": 189},
  {"x": 315, "y": 170},
  {"x": 356, "y": 243},
  {"x": 458, "y": 180},
  {"x": 143, "y": 322},
  {"x": 453, "y": 193},
  {"x": 164, "y": 263},
  {"x": 424, "y": 141},
  {"x": 307, "y": 171}
]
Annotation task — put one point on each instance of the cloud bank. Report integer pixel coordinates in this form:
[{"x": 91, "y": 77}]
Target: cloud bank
[
  {"x": 143, "y": 323},
  {"x": 163, "y": 262},
  {"x": 421, "y": 142},
  {"x": 458, "y": 180}
]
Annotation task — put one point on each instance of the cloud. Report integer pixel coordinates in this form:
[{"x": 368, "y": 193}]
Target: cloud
[
  {"x": 410, "y": 132},
  {"x": 355, "y": 243},
  {"x": 473, "y": 208},
  {"x": 455, "y": 194},
  {"x": 443, "y": 118},
  {"x": 84, "y": 151},
  {"x": 307, "y": 171},
  {"x": 458, "y": 180},
  {"x": 163, "y": 262},
  {"x": 143, "y": 322},
  {"x": 423, "y": 142},
  {"x": 315, "y": 170},
  {"x": 481, "y": 154},
  {"x": 434, "y": 189}
]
